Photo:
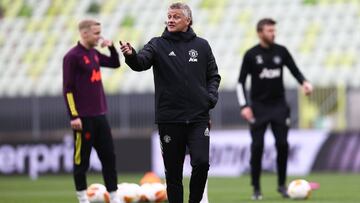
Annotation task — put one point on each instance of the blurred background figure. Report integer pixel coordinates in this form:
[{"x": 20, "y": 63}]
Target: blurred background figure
[
  {"x": 86, "y": 105},
  {"x": 264, "y": 63}
]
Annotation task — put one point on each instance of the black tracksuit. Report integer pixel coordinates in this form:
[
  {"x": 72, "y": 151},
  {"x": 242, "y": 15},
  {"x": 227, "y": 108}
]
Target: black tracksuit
[
  {"x": 96, "y": 133},
  {"x": 186, "y": 88},
  {"x": 268, "y": 103}
]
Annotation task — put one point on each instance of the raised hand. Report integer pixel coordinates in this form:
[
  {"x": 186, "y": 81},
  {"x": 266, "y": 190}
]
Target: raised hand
[
  {"x": 126, "y": 48},
  {"x": 105, "y": 43}
]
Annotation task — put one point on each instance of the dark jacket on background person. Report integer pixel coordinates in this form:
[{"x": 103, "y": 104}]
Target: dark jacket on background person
[
  {"x": 266, "y": 67},
  {"x": 82, "y": 86}
]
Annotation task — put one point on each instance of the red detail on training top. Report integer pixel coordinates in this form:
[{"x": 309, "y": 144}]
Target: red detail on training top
[
  {"x": 96, "y": 58},
  {"x": 86, "y": 60},
  {"x": 95, "y": 76},
  {"x": 87, "y": 136}
]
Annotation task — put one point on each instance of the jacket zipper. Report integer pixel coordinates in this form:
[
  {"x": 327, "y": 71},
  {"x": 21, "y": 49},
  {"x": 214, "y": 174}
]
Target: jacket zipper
[{"x": 186, "y": 82}]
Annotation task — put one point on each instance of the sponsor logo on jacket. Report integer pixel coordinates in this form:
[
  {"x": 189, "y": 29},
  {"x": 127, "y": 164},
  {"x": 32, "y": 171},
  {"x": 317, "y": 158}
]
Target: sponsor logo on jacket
[
  {"x": 270, "y": 73},
  {"x": 95, "y": 76}
]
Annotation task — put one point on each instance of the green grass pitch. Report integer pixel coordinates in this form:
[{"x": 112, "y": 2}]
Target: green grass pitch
[{"x": 334, "y": 188}]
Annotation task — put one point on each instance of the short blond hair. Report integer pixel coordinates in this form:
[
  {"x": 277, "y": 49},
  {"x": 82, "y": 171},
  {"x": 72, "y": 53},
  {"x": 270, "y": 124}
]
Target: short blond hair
[{"x": 87, "y": 23}]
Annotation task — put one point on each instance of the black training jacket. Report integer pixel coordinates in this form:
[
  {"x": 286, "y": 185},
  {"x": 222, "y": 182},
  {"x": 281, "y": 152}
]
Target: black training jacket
[
  {"x": 185, "y": 75},
  {"x": 265, "y": 66}
]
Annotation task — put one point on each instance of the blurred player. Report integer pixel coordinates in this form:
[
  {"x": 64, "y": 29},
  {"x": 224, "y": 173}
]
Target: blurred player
[
  {"x": 186, "y": 88},
  {"x": 264, "y": 63},
  {"x": 86, "y": 104}
]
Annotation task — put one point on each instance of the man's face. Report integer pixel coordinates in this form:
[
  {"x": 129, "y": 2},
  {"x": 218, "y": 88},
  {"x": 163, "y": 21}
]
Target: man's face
[
  {"x": 92, "y": 35},
  {"x": 267, "y": 35},
  {"x": 177, "y": 21}
]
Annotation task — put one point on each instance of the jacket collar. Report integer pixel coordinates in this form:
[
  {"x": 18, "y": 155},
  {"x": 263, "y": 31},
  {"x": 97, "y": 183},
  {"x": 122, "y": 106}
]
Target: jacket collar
[
  {"x": 271, "y": 47},
  {"x": 82, "y": 47},
  {"x": 179, "y": 36}
]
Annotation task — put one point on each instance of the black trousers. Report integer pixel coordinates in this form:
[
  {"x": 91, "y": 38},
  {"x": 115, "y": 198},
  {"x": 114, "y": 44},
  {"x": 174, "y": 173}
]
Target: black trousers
[
  {"x": 95, "y": 133},
  {"x": 278, "y": 116},
  {"x": 175, "y": 139}
]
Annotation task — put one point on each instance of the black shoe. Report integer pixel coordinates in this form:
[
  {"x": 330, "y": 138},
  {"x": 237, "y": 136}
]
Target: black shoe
[
  {"x": 283, "y": 191},
  {"x": 256, "y": 195}
]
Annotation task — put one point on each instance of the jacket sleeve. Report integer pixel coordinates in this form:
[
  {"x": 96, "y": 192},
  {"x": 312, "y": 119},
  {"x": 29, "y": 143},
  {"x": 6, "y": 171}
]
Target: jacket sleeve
[
  {"x": 290, "y": 63},
  {"x": 143, "y": 60},
  {"x": 241, "y": 86},
  {"x": 111, "y": 61},
  {"x": 69, "y": 73},
  {"x": 212, "y": 79}
]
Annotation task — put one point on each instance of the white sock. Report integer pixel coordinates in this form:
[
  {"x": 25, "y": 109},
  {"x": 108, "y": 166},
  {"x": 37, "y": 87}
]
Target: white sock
[
  {"x": 205, "y": 194},
  {"x": 82, "y": 197},
  {"x": 114, "y": 198}
]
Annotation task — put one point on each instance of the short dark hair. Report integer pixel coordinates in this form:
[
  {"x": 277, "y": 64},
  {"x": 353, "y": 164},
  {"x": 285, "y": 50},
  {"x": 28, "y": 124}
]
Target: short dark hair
[{"x": 265, "y": 21}]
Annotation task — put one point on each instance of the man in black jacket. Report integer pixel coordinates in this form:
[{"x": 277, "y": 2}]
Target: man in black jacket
[
  {"x": 186, "y": 88},
  {"x": 264, "y": 62}
]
